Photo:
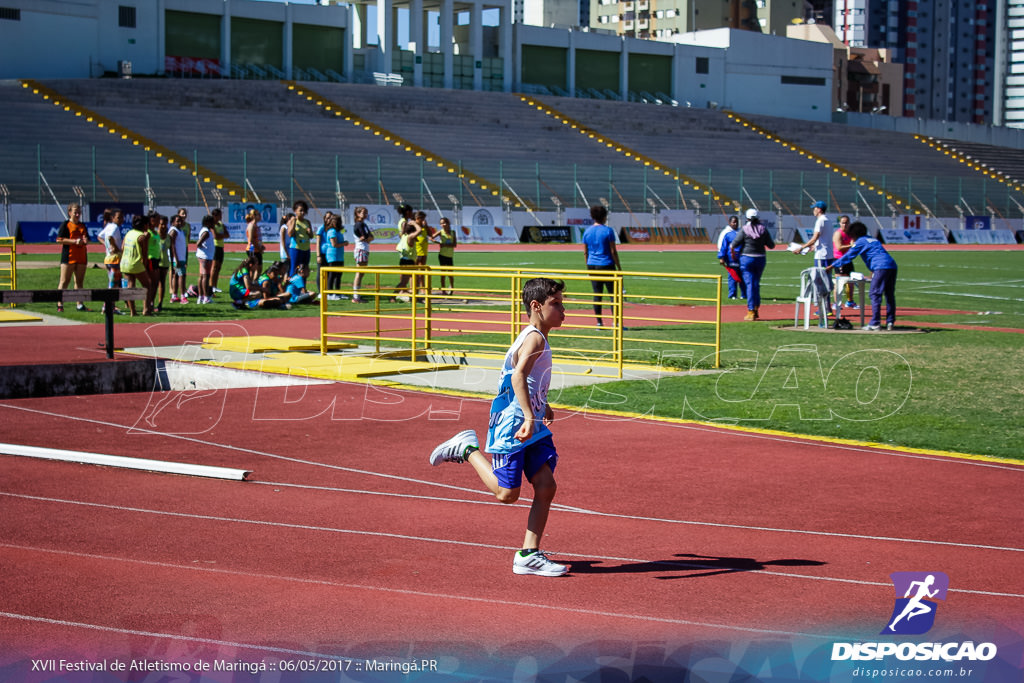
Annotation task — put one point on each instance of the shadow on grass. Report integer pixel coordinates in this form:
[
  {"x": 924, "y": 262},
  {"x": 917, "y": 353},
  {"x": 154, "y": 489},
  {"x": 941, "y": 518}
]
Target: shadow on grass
[{"x": 699, "y": 566}]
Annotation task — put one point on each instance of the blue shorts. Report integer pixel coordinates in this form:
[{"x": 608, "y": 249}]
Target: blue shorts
[{"x": 510, "y": 467}]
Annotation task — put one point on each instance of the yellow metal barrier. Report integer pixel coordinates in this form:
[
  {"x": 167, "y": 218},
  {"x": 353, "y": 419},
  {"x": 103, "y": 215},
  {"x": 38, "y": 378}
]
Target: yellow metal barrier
[
  {"x": 480, "y": 319},
  {"x": 8, "y": 264}
]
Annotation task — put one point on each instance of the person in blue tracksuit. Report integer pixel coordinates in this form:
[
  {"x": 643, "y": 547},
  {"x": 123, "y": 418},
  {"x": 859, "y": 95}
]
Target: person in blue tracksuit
[
  {"x": 883, "y": 274},
  {"x": 728, "y": 259}
]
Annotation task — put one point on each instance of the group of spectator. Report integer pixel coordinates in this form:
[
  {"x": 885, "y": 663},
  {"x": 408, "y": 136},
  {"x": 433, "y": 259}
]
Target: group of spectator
[
  {"x": 742, "y": 253},
  {"x": 414, "y": 238},
  {"x": 154, "y": 249}
]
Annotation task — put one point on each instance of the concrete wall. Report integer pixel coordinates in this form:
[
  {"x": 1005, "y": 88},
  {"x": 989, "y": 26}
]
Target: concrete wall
[
  {"x": 757, "y": 65},
  {"x": 82, "y": 39}
]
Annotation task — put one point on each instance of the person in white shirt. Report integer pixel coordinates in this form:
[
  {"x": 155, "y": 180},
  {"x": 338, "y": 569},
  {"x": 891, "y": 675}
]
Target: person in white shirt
[
  {"x": 111, "y": 239},
  {"x": 821, "y": 239}
]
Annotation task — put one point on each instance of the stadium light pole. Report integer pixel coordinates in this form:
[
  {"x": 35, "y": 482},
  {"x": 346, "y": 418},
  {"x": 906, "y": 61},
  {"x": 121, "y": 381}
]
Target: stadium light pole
[
  {"x": 456, "y": 209},
  {"x": 558, "y": 209}
]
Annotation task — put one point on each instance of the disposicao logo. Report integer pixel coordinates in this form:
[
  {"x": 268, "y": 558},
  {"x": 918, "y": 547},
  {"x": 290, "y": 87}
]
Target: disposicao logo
[
  {"x": 916, "y": 595},
  {"x": 913, "y": 614}
]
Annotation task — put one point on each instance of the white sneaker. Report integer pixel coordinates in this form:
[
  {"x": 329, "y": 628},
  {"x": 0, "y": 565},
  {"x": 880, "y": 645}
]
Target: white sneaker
[
  {"x": 537, "y": 563},
  {"x": 218, "y": 291},
  {"x": 454, "y": 449}
]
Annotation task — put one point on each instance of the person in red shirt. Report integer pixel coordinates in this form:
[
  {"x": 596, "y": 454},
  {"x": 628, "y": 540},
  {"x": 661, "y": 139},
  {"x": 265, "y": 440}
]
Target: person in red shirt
[{"x": 73, "y": 238}]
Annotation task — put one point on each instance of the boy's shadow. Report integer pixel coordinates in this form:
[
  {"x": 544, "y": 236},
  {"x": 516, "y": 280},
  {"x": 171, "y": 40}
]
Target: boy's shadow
[{"x": 697, "y": 567}]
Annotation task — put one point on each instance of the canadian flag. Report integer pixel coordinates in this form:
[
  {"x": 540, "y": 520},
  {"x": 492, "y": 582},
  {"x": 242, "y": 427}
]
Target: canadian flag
[{"x": 911, "y": 222}]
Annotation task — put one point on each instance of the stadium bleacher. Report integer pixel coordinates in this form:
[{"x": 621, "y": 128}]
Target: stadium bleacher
[{"x": 262, "y": 132}]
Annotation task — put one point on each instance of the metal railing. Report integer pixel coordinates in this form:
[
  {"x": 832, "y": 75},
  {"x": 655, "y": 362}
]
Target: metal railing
[
  {"x": 653, "y": 317},
  {"x": 8, "y": 263}
]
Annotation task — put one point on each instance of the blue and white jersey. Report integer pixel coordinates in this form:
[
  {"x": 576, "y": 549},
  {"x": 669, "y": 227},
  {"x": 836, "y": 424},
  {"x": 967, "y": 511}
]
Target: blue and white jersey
[{"x": 506, "y": 413}]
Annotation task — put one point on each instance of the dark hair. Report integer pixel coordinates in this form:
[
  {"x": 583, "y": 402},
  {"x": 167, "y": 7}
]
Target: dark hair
[
  {"x": 404, "y": 209},
  {"x": 857, "y": 229},
  {"x": 209, "y": 221},
  {"x": 334, "y": 222},
  {"x": 140, "y": 223},
  {"x": 248, "y": 261},
  {"x": 540, "y": 288},
  {"x": 734, "y": 218},
  {"x": 420, "y": 214},
  {"x": 304, "y": 205},
  {"x": 599, "y": 213},
  {"x": 108, "y": 215}
]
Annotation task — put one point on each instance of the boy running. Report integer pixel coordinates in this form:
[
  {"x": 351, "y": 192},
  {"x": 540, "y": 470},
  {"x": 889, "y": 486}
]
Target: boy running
[{"x": 518, "y": 437}]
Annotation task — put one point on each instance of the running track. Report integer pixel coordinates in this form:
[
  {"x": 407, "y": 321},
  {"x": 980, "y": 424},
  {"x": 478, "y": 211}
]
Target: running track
[
  {"x": 346, "y": 543},
  {"x": 694, "y": 549}
]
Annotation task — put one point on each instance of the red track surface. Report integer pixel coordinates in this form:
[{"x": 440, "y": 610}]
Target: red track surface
[{"x": 346, "y": 543}]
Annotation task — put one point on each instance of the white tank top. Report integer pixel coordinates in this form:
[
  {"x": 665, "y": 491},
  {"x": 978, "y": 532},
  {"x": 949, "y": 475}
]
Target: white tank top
[{"x": 506, "y": 413}]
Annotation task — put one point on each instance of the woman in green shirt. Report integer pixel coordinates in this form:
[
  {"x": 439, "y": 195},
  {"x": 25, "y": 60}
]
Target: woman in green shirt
[
  {"x": 134, "y": 252},
  {"x": 300, "y": 233}
]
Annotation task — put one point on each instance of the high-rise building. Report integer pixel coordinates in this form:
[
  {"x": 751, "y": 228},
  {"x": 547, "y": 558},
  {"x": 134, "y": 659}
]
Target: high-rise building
[
  {"x": 947, "y": 48},
  {"x": 1009, "y": 67},
  {"x": 663, "y": 19}
]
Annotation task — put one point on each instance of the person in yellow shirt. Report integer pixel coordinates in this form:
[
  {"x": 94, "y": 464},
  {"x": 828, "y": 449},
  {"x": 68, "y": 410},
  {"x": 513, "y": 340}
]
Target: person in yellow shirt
[
  {"x": 446, "y": 257},
  {"x": 300, "y": 234},
  {"x": 133, "y": 258}
]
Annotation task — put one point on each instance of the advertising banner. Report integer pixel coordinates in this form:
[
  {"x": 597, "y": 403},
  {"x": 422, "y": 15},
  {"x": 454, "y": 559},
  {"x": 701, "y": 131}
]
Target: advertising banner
[
  {"x": 984, "y": 237},
  {"x": 977, "y": 222},
  {"x": 381, "y": 218},
  {"x": 94, "y": 211},
  {"x": 46, "y": 231},
  {"x": 666, "y": 235},
  {"x": 234, "y": 221},
  {"x": 914, "y": 236},
  {"x": 538, "y": 234},
  {"x": 488, "y": 234}
]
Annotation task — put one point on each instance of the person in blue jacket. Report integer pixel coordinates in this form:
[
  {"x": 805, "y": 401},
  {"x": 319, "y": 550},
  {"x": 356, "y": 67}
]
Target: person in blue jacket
[
  {"x": 883, "y": 274},
  {"x": 728, "y": 259}
]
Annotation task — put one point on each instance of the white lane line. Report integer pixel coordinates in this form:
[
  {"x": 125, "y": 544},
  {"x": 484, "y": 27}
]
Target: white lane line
[
  {"x": 694, "y": 427},
  {"x": 661, "y": 520},
  {"x": 736, "y": 433},
  {"x": 167, "y": 636},
  {"x": 490, "y": 546},
  {"x": 422, "y": 594}
]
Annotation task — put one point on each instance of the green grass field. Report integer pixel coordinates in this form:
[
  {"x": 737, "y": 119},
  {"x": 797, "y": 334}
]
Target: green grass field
[{"x": 948, "y": 389}]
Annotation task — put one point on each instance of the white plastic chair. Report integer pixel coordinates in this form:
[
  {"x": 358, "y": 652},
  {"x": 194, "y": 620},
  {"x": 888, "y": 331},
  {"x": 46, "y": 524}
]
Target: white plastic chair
[{"x": 808, "y": 296}]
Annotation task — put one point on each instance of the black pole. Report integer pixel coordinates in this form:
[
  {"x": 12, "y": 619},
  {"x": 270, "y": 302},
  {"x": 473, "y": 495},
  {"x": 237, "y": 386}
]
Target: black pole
[{"x": 108, "y": 324}]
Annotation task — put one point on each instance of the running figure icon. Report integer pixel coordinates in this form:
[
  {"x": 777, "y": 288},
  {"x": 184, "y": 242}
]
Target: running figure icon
[
  {"x": 919, "y": 591},
  {"x": 916, "y": 607}
]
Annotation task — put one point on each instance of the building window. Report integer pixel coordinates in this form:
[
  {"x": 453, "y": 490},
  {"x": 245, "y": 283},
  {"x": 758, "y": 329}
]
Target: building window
[
  {"x": 802, "y": 80},
  {"x": 10, "y": 13},
  {"x": 126, "y": 16},
  {"x": 703, "y": 65}
]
